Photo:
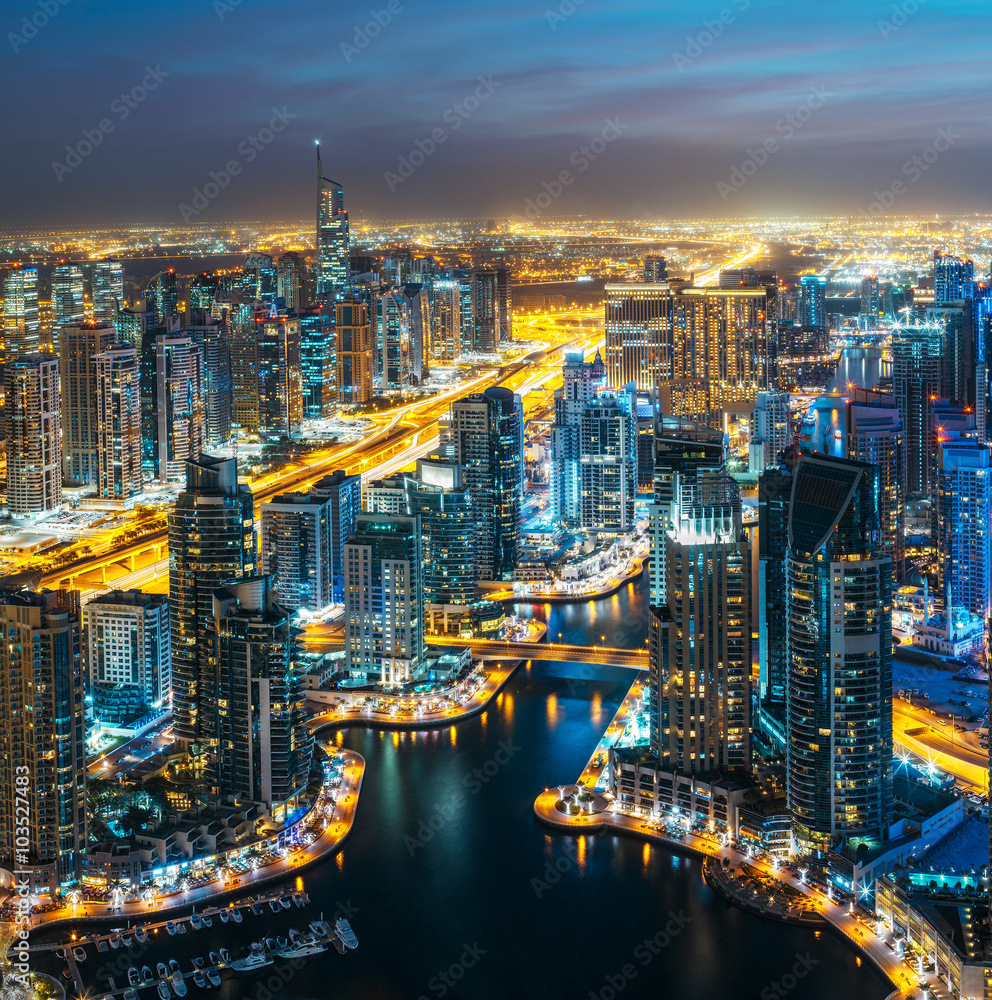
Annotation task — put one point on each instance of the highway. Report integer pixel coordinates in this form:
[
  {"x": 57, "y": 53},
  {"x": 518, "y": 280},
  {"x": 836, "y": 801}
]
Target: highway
[{"x": 950, "y": 751}]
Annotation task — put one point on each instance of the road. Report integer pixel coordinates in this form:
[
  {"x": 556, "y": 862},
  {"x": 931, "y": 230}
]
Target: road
[{"x": 940, "y": 745}]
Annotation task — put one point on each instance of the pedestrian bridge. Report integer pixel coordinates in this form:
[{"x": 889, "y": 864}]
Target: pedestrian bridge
[{"x": 556, "y": 652}]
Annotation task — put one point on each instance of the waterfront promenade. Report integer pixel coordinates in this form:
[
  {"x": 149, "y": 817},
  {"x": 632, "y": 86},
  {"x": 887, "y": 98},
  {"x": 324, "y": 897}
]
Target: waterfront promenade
[{"x": 335, "y": 826}]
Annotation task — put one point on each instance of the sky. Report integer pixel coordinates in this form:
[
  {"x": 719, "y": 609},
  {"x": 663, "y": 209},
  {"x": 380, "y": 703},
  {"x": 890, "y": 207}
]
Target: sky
[{"x": 207, "y": 110}]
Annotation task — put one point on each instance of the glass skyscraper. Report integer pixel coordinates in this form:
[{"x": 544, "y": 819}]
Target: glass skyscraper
[{"x": 333, "y": 242}]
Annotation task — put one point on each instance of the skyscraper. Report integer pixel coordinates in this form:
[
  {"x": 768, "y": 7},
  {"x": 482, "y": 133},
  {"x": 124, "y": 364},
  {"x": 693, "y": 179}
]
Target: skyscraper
[
  {"x": 244, "y": 369},
  {"x": 813, "y": 303},
  {"x": 107, "y": 284},
  {"x": 163, "y": 292},
  {"x": 42, "y": 738},
  {"x": 485, "y": 312},
  {"x": 355, "y": 351},
  {"x": 655, "y": 269},
  {"x": 916, "y": 378},
  {"x": 870, "y": 303},
  {"x": 504, "y": 304},
  {"x": 280, "y": 377},
  {"x": 343, "y": 494},
  {"x": 128, "y": 654},
  {"x": 291, "y": 277},
  {"x": 963, "y": 523},
  {"x": 487, "y": 439},
  {"x": 212, "y": 337},
  {"x": 265, "y": 748},
  {"x": 211, "y": 544},
  {"x": 21, "y": 326},
  {"x": 79, "y": 344},
  {"x": 580, "y": 381},
  {"x": 67, "y": 297},
  {"x": 333, "y": 243},
  {"x": 953, "y": 278},
  {"x": 446, "y": 344},
  {"x": 608, "y": 462},
  {"x": 839, "y": 584},
  {"x": 638, "y": 334},
  {"x": 318, "y": 361},
  {"x": 173, "y": 411},
  {"x": 33, "y": 411},
  {"x": 118, "y": 423},
  {"x": 771, "y": 432},
  {"x": 705, "y": 697},
  {"x": 296, "y": 550},
  {"x": 691, "y": 452},
  {"x": 384, "y": 599}
]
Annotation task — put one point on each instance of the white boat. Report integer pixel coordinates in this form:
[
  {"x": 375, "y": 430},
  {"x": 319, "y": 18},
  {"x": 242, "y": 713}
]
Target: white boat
[
  {"x": 173, "y": 966},
  {"x": 274, "y": 905},
  {"x": 162, "y": 970},
  {"x": 284, "y": 902},
  {"x": 163, "y": 991},
  {"x": 224, "y": 916},
  {"x": 256, "y": 908},
  {"x": 212, "y": 977},
  {"x": 252, "y": 962},
  {"x": 236, "y": 915},
  {"x": 196, "y": 921},
  {"x": 319, "y": 928},
  {"x": 79, "y": 954},
  {"x": 214, "y": 958},
  {"x": 101, "y": 945},
  {"x": 298, "y": 900},
  {"x": 343, "y": 930},
  {"x": 115, "y": 943},
  {"x": 133, "y": 976},
  {"x": 171, "y": 929},
  {"x": 225, "y": 956},
  {"x": 130, "y": 995},
  {"x": 207, "y": 922},
  {"x": 303, "y": 948},
  {"x": 141, "y": 935},
  {"x": 200, "y": 979},
  {"x": 180, "y": 928},
  {"x": 179, "y": 984},
  {"x": 126, "y": 940}
]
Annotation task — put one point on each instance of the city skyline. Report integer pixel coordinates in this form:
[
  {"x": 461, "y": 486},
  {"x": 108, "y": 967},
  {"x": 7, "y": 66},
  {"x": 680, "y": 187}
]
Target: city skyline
[{"x": 816, "y": 111}]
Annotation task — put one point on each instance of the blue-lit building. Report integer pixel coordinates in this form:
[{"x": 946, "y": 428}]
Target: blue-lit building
[
  {"x": 333, "y": 240},
  {"x": 839, "y": 647},
  {"x": 318, "y": 354},
  {"x": 813, "y": 302},
  {"x": 343, "y": 493},
  {"x": 953, "y": 278}
]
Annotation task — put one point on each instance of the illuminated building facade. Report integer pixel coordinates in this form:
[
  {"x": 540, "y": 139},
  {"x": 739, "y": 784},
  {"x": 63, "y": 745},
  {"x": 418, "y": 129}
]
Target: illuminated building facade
[
  {"x": 916, "y": 379},
  {"x": 318, "y": 361},
  {"x": 280, "y": 377},
  {"x": 21, "y": 323},
  {"x": 42, "y": 738},
  {"x": 446, "y": 340},
  {"x": 638, "y": 334},
  {"x": 107, "y": 283},
  {"x": 118, "y": 423},
  {"x": 356, "y": 356},
  {"x": 33, "y": 410},
  {"x": 343, "y": 494},
  {"x": 67, "y": 297},
  {"x": 333, "y": 241},
  {"x": 79, "y": 345},
  {"x": 296, "y": 550},
  {"x": 608, "y": 462},
  {"x": 839, "y": 607}
]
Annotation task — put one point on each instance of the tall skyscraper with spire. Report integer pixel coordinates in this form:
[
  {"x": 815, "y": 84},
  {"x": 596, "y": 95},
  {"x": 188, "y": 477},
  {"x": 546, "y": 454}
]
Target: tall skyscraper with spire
[{"x": 333, "y": 267}]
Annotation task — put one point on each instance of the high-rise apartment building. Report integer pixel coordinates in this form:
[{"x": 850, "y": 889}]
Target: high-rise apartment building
[
  {"x": 487, "y": 442},
  {"x": 638, "y": 334},
  {"x": 107, "y": 283},
  {"x": 655, "y": 269},
  {"x": 264, "y": 746},
  {"x": 291, "y": 278},
  {"x": 705, "y": 699},
  {"x": 280, "y": 377},
  {"x": 813, "y": 303},
  {"x": 839, "y": 607},
  {"x": 608, "y": 462},
  {"x": 119, "y": 474},
  {"x": 212, "y": 337},
  {"x": 42, "y": 739},
  {"x": 296, "y": 550},
  {"x": 581, "y": 380},
  {"x": 211, "y": 544},
  {"x": 916, "y": 379},
  {"x": 870, "y": 302},
  {"x": 128, "y": 651},
  {"x": 244, "y": 369},
  {"x": 21, "y": 323},
  {"x": 68, "y": 306},
  {"x": 333, "y": 242},
  {"x": 173, "y": 411},
  {"x": 691, "y": 452},
  {"x": 963, "y": 523},
  {"x": 163, "y": 292},
  {"x": 318, "y": 361},
  {"x": 953, "y": 278},
  {"x": 384, "y": 599},
  {"x": 355, "y": 351},
  {"x": 33, "y": 410},
  {"x": 343, "y": 495},
  {"x": 771, "y": 432},
  {"x": 446, "y": 340},
  {"x": 79, "y": 345}
]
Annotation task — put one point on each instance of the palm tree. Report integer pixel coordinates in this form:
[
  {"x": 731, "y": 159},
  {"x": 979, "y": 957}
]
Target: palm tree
[{"x": 135, "y": 819}]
